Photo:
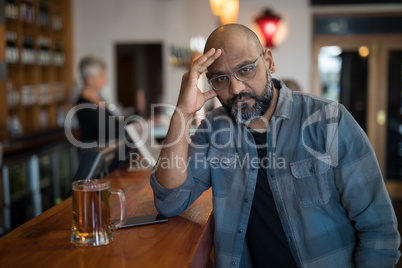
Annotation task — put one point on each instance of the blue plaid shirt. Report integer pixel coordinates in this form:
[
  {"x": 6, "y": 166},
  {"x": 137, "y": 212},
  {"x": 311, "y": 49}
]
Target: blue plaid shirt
[{"x": 324, "y": 177}]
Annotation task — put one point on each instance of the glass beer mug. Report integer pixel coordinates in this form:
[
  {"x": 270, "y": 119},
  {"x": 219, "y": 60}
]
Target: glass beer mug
[{"x": 91, "y": 212}]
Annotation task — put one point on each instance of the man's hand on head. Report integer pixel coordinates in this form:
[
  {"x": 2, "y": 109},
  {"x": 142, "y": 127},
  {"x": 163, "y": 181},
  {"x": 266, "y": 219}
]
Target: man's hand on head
[{"x": 191, "y": 98}]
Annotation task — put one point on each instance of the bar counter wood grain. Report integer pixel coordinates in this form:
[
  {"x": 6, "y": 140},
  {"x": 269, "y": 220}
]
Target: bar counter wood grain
[{"x": 184, "y": 241}]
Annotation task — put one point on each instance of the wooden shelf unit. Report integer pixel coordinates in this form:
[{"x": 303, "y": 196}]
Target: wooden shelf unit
[{"x": 40, "y": 70}]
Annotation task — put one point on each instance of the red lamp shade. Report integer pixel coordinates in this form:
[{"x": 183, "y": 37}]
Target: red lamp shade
[{"x": 268, "y": 23}]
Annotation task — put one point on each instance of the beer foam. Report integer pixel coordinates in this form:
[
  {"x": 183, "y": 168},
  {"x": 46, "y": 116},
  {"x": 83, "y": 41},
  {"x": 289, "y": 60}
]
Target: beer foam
[{"x": 91, "y": 185}]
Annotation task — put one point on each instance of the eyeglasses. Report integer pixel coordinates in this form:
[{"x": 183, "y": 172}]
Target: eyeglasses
[{"x": 243, "y": 74}]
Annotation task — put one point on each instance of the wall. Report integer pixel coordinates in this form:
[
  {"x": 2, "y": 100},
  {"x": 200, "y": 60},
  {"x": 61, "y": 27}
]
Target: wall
[{"x": 99, "y": 24}]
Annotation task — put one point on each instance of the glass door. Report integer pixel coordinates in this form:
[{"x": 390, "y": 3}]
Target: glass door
[
  {"x": 364, "y": 73},
  {"x": 343, "y": 76},
  {"x": 394, "y": 114}
]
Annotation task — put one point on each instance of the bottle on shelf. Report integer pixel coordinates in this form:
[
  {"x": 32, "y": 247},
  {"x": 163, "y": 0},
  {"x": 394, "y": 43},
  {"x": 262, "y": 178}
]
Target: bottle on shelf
[
  {"x": 61, "y": 116},
  {"x": 14, "y": 126},
  {"x": 11, "y": 10},
  {"x": 28, "y": 95},
  {"x": 57, "y": 23},
  {"x": 44, "y": 94},
  {"x": 28, "y": 50},
  {"x": 43, "y": 19},
  {"x": 44, "y": 53},
  {"x": 27, "y": 12},
  {"x": 58, "y": 57},
  {"x": 58, "y": 91},
  {"x": 11, "y": 47},
  {"x": 43, "y": 118},
  {"x": 13, "y": 97}
]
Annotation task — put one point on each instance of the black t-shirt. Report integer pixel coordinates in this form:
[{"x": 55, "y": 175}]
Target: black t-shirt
[
  {"x": 91, "y": 125},
  {"x": 265, "y": 236}
]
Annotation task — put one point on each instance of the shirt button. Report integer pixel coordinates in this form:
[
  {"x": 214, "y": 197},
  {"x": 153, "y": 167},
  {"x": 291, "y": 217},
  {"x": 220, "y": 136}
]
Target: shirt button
[
  {"x": 240, "y": 231},
  {"x": 233, "y": 263},
  {"x": 246, "y": 200}
]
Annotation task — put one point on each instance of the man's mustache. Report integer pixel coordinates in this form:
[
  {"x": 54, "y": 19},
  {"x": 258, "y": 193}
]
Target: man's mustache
[{"x": 239, "y": 96}]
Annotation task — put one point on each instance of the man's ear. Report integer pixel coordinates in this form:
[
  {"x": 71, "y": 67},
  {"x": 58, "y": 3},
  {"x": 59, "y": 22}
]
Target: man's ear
[{"x": 269, "y": 60}]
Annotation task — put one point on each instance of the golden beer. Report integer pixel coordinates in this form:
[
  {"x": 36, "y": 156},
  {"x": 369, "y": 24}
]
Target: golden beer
[{"x": 91, "y": 213}]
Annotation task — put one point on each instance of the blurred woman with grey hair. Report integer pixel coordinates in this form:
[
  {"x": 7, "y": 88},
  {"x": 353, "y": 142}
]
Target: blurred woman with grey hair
[{"x": 97, "y": 123}]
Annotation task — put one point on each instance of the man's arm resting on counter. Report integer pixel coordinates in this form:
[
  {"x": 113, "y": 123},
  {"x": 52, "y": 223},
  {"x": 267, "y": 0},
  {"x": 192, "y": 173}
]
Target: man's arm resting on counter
[
  {"x": 173, "y": 201},
  {"x": 175, "y": 151}
]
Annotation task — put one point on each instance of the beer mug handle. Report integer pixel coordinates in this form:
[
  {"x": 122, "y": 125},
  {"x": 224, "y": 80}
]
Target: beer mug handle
[{"x": 122, "y": 199}]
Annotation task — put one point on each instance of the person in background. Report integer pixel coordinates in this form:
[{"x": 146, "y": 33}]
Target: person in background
[
  {"x": 295, "y": 181},
  {"x": 96, "y": 122}
]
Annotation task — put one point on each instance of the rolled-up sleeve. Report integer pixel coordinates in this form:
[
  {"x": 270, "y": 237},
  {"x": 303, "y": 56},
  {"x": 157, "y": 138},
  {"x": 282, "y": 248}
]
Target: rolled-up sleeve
[{"x": 172, "y": 202}]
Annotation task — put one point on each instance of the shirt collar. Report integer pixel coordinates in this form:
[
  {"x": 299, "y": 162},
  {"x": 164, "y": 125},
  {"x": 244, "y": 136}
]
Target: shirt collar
[{"x": 284, "y": 106}]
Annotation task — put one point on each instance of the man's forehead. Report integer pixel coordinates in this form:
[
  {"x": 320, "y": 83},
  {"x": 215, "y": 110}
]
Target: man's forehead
[{"x": 232, "y": 58}]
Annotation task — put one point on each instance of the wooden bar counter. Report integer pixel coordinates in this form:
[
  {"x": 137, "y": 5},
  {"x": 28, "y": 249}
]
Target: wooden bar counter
[{"x": 184, "y": 241}]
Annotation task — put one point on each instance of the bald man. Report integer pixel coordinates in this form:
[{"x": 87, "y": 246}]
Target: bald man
[{"x": 295, "y": 181}]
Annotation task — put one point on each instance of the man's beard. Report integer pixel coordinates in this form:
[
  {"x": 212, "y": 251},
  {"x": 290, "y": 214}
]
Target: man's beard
[{"x": 246, "y": 115}]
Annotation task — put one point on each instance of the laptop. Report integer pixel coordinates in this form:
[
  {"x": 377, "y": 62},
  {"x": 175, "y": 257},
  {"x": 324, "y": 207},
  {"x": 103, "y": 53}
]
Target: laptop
[{"x": 146, "y": 145}]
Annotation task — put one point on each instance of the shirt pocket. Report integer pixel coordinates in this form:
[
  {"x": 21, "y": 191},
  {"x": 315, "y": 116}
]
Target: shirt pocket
[
  {"x": 310, "y": 179},
  {"x": 222, "y": 166}
]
